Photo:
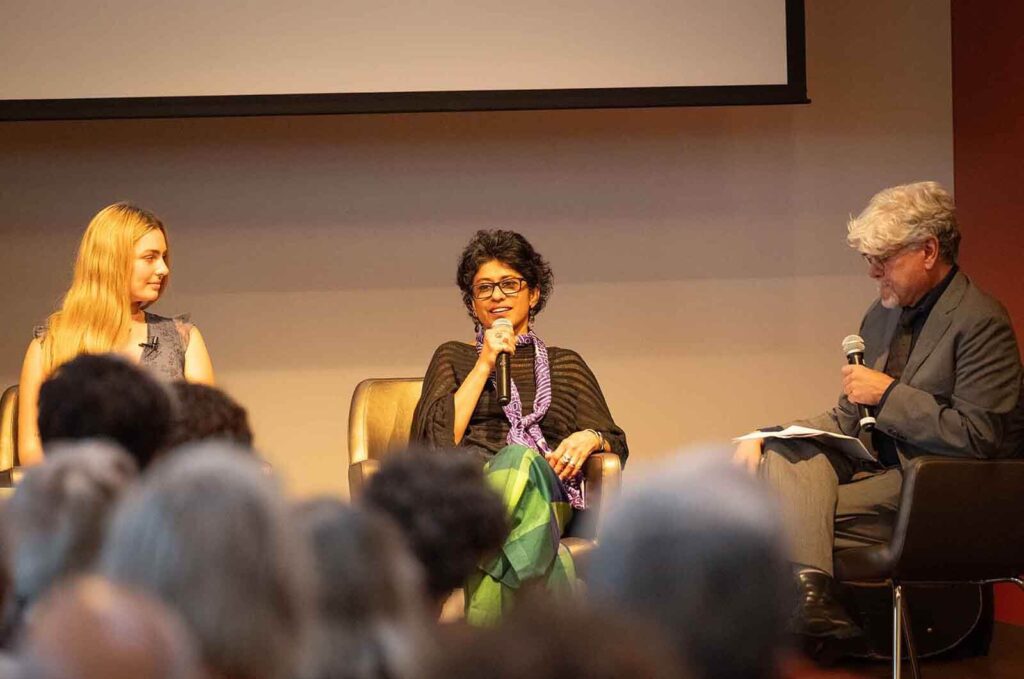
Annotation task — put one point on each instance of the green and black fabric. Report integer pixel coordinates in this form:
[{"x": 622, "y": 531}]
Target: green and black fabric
[{"x": 538, "y": 513}]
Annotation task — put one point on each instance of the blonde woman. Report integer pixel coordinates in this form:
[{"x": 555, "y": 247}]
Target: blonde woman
[{"x": 122, "y": 268}]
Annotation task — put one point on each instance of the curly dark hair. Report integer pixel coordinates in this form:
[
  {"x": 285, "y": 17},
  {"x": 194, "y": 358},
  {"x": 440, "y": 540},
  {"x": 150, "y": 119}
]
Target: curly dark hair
[
  {"x": 205, "y": 412},
  {"x": 511, "y": 249},
  {"x": 441, "y": 503},
  {"x": 104, "y": 396}
]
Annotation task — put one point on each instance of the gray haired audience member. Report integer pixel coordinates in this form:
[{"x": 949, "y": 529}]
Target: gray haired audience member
[
  {"x": 371, "y": 618},
  {"x": 58, "y": 516},
  {"x": 209, "y": 533},
  {"x": 698, "y": 550},
  {"x": 89, "y": 628}
]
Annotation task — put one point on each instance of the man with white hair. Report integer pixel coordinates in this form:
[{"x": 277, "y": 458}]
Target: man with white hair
[{"x": 942, "y": 373}]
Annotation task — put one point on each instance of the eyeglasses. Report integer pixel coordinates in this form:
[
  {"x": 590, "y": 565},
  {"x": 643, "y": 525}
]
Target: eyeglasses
[
  {"x": 510, "y": 287},
  {"x": 881, "y": 260}
]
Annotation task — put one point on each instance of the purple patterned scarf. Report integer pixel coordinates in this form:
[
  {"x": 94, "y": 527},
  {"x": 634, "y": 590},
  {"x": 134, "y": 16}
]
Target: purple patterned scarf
[{"x": 526, "y": 430}]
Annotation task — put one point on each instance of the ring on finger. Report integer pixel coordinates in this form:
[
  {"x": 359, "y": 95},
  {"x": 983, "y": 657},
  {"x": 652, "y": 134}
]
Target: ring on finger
[{"x": 566, "y": 459}]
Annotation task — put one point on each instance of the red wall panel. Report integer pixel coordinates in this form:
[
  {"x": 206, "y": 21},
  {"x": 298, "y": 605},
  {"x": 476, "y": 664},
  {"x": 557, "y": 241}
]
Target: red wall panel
[{"x": 988, "y": 147}]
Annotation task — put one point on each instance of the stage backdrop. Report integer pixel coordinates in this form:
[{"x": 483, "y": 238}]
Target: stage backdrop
[{"x": 699, "y": 254}]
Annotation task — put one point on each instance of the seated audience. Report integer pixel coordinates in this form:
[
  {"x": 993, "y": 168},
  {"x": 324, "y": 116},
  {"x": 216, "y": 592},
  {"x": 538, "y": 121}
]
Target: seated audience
[
  {"x": 371, "y": 614},
  {"x": 105, "y": 397},
  {"x": 449, "y": 515},
  {"x": 122, "y": 268},
  {"x": 203, "y": 412},
  {"x": 698, "y": 551},
  {"x": 91, "y": 629},
  {"x": 209, "y": 533},
  {"x": 57, "y": 518},
  {"x": 544, "y": 639},
  {"x": 533, "y": 448}
]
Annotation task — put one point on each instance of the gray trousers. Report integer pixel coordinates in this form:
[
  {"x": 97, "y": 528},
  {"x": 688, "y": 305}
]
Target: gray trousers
[{"x": 829, "y": 502}]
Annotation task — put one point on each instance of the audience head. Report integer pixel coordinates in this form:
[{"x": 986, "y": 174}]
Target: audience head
[
  {"x": 58, "y": 516},
  {"x": 448, "y": 514},
  {"x": 503, "y": 258},
  {"x": 371, "y": 614},
  {"x": 208, "y": 532},
  {"x": 90, "y": 628},
  {"x": 123, "y": 263},
  {"x": 699, "y": 551},
  {"x": 542, "y": 639},
  {"x": 105, "y": 397},
  {"x": 203, "y": 412}
]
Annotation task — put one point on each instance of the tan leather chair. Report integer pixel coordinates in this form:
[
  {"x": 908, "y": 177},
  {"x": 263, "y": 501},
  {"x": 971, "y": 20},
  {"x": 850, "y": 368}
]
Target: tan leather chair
[
  {"x": 380, "y": 420},
  {"x": 9, "y": 468}
]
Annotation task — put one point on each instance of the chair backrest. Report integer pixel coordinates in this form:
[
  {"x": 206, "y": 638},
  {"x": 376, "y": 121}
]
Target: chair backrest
[
  {"x": 960, "y": 520},
  {"x": 380, "y": 418},
  {"x": 8, "y": 432}
]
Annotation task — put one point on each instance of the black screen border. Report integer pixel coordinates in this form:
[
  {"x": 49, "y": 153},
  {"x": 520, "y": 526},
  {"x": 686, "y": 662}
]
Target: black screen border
[{"x": 793, "y": 92}]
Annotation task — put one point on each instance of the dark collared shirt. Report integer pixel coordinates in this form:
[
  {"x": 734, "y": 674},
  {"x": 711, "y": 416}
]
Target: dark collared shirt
[{"x": 913, "y": 317}]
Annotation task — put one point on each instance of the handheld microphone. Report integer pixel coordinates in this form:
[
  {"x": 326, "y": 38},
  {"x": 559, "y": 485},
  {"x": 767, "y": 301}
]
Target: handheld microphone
[
  {"x": 853, "y": 347},
  {"x": 502, "y": 370},
  {"x": 150, "y": 344}
]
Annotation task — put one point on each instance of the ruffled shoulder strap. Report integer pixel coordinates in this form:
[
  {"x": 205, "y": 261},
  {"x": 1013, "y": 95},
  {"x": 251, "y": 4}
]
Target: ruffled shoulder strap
[
  {"x": 183, "y": 324},
  {"x": 177, "y": 329}
]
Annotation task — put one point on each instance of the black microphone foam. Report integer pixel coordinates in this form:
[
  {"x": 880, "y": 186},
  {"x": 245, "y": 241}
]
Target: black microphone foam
[
  {"x": 502, "y": 368},
  {"x": 853, "y": 347}
]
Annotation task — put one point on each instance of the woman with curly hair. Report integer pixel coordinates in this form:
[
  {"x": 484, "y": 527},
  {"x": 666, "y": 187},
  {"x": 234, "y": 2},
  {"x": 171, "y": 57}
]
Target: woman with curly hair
[
  {"x": 534, "y": 446},
  {"x": 122, "y": 268}
]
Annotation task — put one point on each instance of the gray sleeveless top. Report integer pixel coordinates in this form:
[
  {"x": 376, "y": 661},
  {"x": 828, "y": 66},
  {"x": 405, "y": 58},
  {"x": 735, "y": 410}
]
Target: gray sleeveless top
[
  {"x": 166, "y": 342},
  {"x": 164, "y": 353}
]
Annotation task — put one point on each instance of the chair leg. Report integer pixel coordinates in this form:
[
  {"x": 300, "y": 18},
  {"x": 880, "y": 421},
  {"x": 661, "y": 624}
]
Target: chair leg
[
  {"x": 908, "y": 635},
  {"x": 897, "y": 629}
]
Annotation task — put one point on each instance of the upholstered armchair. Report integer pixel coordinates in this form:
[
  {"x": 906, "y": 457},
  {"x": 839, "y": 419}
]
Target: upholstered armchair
[{"x": 379, "y": 423}]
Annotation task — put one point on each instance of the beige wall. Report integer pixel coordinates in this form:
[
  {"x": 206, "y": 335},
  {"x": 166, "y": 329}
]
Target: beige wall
[{"x": 699, "y": 253}]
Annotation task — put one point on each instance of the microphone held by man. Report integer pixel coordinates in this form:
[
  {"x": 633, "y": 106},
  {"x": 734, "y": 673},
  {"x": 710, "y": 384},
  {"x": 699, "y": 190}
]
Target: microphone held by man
[{"x": 853, "y": 347}]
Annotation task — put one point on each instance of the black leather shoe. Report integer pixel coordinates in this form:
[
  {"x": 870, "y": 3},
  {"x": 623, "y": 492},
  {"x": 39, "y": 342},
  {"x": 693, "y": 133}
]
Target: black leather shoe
[{"x": 819, "y": 613}]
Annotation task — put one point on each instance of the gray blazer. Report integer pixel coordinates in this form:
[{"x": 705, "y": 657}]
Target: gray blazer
[{"x": 960, "y": 393}]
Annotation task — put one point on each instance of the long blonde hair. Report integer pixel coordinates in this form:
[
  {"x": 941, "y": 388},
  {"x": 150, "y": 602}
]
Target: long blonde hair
[{"x": 95, "y": 316}]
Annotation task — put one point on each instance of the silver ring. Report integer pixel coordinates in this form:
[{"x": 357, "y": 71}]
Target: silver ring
[{"x": 567, "y": 458}]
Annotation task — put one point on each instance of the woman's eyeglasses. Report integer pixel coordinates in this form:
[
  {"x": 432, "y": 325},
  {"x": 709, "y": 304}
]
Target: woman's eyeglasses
[{"x": 509, "y": 287}]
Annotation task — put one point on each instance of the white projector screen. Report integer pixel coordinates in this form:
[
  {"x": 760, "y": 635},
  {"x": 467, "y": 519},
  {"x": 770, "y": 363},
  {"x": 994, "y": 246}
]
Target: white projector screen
[{"x": 133, "y": 58}]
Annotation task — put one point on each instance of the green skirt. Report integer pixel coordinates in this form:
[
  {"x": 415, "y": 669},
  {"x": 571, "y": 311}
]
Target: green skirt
[{"x": 538, "y": 512}]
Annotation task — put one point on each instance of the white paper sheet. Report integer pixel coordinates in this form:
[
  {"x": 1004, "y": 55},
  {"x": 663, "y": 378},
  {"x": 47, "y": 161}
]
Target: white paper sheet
[{"x": 847, "y": 444}]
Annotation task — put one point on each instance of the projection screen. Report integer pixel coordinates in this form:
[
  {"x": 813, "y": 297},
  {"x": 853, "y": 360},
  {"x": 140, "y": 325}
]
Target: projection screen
[{"x": 62, "y": 59}]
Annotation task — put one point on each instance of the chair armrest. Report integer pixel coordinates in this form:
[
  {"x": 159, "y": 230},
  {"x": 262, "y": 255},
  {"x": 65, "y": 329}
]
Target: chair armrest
[
  {"x": 9, "y": 429},
  {"x": 602, "y": 479},
  {"x": 359, "y": 474}
]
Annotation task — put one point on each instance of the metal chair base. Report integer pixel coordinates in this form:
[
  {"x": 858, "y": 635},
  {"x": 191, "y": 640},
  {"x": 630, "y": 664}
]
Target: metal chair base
[{"x": 901, "y": 629}]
